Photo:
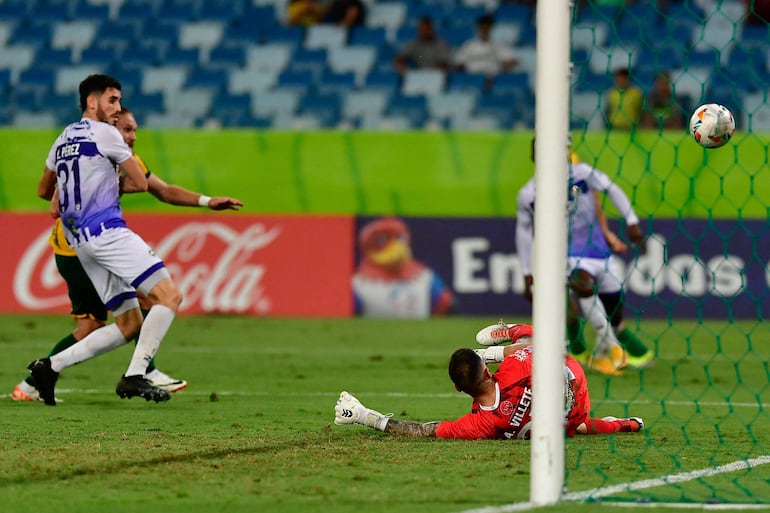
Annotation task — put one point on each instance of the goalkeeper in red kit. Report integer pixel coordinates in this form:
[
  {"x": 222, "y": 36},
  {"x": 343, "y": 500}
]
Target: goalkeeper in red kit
[{"x": 502, "y": 401}]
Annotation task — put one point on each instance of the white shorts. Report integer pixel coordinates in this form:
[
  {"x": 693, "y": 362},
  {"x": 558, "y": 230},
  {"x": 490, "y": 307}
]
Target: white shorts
[
  {"x": 119, "y": 263},
  {"x": 608, "y": 272}
]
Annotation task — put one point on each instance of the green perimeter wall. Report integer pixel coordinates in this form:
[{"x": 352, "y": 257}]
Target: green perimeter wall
[{"x": 416, "y": 173}]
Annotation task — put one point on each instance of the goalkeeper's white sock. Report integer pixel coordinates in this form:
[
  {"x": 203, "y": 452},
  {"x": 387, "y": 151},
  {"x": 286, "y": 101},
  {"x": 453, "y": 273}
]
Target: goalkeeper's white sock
[{"x": 594, "y": 310}]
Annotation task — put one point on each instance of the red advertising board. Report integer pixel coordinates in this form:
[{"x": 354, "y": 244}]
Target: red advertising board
[{"x": 235, "y": 264}]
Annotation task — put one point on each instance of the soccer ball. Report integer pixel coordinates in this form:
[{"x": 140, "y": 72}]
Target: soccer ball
[{"x": 712, "y": 125}]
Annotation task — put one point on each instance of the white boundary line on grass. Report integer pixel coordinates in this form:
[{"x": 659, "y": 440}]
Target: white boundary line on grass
[
  {"x": 648, "y": 483},
  {"x": 448, "y": 395}
]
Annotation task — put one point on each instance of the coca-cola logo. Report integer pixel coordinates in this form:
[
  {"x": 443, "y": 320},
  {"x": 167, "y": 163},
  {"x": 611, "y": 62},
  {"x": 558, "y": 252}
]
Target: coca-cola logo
[{"x": 212, "y": 263}]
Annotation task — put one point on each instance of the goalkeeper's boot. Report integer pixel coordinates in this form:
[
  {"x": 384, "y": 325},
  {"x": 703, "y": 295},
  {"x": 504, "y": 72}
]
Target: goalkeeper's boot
[
  {"x": 165, "y": 382},
  {"x": 349, "y": 410},
  {"x": 45, "y": 379},
  {"x": 133, "y": 386},
  {"x": 25, "y": 392},
  {"x": 629, "y": 425},
  {"x": 501, "y": 333}
]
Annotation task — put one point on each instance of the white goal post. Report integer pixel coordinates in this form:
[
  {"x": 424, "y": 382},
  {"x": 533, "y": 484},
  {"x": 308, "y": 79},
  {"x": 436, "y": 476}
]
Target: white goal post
[{"x": 550, "y": 249}]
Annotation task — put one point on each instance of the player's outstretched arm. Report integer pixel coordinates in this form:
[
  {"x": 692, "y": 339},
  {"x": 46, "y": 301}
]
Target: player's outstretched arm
[
  {"x": 410, "y": 428},
  {"x": 175, "y": 195}
]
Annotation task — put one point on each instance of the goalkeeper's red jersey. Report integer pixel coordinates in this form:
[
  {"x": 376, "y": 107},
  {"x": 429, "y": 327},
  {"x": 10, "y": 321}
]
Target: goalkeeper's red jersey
[{"x": 511, "y": 416}]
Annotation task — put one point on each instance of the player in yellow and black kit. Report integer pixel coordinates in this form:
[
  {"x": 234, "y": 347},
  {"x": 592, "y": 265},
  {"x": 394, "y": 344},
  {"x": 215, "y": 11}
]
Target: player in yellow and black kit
[{"x": 87, "y": 307}]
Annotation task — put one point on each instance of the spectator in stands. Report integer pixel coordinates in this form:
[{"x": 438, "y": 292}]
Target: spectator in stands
[
  {"x": 426, "y": 51},
  {"x": 304, "y": 13},
  {"x": 483, "y": 55},
  {"x": 663, "y": 109},
  {"x": 623, "y": 102},
  {"x": 345, "y": 13}
]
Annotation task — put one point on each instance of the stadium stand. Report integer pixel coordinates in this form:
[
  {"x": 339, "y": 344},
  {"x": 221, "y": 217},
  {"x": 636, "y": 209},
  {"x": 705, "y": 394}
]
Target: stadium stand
[{"x": 185, "y": 58}]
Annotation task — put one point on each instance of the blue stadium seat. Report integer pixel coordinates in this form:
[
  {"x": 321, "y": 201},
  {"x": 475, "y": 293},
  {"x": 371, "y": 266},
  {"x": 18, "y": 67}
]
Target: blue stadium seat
[
  {"x": 589, "y": 81},
  {"x": 220, "y": 11},
  {"x": 511, "y": 83},
  {"x": 161, "y": 33},
  {"x": 147, "y": 102},
  {"x": 213, "y": 80},
  {"x": 53, "y": 57},
  {"x": 62, "y": 105},
  {"x": 35, "y": 34},
  {"x": 324, "y": 107},
  {"x": 508, "y": 11},
  {"x": 464, "y": 16},
  {"x": 285, "y": 35},
  {"x": 14, "y": 9},
  {"x": 227, "y": 102},
  {"x": 370, "y": 36},
  {"x": 227, "y": 57},
  {"x": 437, "y": 12},
  {"x": 501, "y": 108},
  {"x": 337, "y": 83},
  {"x": 466, "y": 82},
  {"x": 457, "y": 35},
  {"x": 87, "y": 11},
  {"x": 263, "y": 15},
  {"x": 176, "y": 12},
  {"x": 243, "y": 120},
  {"x": 404, "y": 34},
  {"x": 298, "y": 81},
  {"x": 754, "y": 35},
  {"x": 116, "y": 34},
  {"x": 35, "y": 82},
  {"x": 414, "y": 108},
  {"x": 186, "y": 57},
  {"x": 313, "y": 60},
  {"x": 140, "y": 57},
  {"x": 242, "y": 32},
  {"x": 136, "y": 12},
  {"x": 49, "y": 12},
  {"x": 386, "y": 81},
  {"x": 97, "y": 55}
]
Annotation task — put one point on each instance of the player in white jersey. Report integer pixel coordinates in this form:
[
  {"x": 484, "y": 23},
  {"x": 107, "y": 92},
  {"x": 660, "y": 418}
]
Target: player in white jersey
[
  {"x": 83, "y": 163},
  {"x": 593, "y": 272}
]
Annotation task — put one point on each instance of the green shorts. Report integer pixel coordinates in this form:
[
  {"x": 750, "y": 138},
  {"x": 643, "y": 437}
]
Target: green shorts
[{"x": 83, "y": 297}]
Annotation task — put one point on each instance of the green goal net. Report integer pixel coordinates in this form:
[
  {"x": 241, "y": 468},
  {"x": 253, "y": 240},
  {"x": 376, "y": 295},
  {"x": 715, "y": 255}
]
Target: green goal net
[{"x": 705, "y": 273}]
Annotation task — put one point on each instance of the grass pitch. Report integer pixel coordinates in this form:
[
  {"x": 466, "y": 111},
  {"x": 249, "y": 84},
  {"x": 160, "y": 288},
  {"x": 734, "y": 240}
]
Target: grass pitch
[{"x": 254, "y": 430}]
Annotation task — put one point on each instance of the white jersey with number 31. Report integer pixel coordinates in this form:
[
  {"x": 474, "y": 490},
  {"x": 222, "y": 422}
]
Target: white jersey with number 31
[{"x": 84, "y": 158}]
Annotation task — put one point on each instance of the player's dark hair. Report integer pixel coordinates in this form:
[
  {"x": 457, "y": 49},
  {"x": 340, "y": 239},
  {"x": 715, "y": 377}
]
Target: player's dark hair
[
  {"x": 466, "y": 370},
  {"x": 95, "y": 84}
]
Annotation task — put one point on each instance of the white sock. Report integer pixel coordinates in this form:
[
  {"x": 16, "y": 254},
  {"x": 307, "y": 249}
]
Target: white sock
[
  {"x": 594, "y": 310},
  {"x": 154, "y": 328},
  {"x": 97, "y": 342}
]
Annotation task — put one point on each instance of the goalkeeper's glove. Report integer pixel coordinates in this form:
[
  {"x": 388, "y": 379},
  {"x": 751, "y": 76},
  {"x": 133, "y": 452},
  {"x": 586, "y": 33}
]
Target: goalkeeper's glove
[
  {"x": 494, "y": 354},
  {"x": 349, "y": 410}
]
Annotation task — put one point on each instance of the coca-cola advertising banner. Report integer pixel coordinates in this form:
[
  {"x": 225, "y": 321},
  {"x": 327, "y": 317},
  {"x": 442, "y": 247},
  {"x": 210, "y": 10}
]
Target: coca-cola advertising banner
[
  {"x": 224, "y": 263},
  {"x": 314, "y": 266}
]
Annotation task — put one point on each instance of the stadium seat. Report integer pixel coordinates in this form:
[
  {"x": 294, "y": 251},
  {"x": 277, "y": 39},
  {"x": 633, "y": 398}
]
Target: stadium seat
[
  {"x": 385, "y": 81},
  {"x": 35, "y": 82},
  {"x": 53, "y": 57},
  {"x": 298, "y": 81},
  {"x": 296, "y": 122},
  {"x": 313, "y": 60},
  {"x": 269, "y": 58},
  {"x": 194, "y": 101},
  {"x": 388, "y": 15},
  {"x": 203, "y": 35},
  {"x": 515, "y": 84},
  {"x": 144, "y": 103},
  {"x": 33, "y": 34},
  {"x": 337, "y": 83},
  {"x": 423, "y": 81},
  {"x": 756, "y": 112},
  {"x": 160, "y": 33},
  {"x": 216, "y": 11},
  {"x": 24, "y": 119},
  {"x": 586, "y": 110},
  {"x": 368, "y": 36},
  {"x": 607, "y": 60},
  {"x": 227, "y": 57},
  {"x": 6, "y": 29},
  {"x": 413, "y": 108},
  {"x": 74, "y": 35},
  {"x": 138, "y": 57},
  {"x": 50, "y": 12},
  {"x": 274, "y": 103},
  {"x": 292, "y": 36},
  {"x": 451, "y": 104},
  {"x": 356, "y": 59},
  {"x": 68, "y": 79},
  {"x": 14, "y": 10},
  {"x": 325, "y": 36},
  {"x": 324, "y": 107},
  {"x": 466, "y": 82},
  {"x": 251, "y": 81},
  {"x": 61, "y": 105},
  {"x": 457, "y": 35},
  {"x": 136, "y": 12},
  {"x": 16, "y": 58},
  {"x": 178, "y": 120},
  {"x": 509, "y": 11},
  {"x": 497, "y": 107},
  {"x": 212, "y": 80},
  {"x": 588, "y": 36},
  {"x": 692, "y": 83},
  {"x": 163, "y": 79},
  {"x": 92, "y": 11},
  {"x": 362, "y": 103},
  {"x": 98, "y": 56},
  {"x": 182, "y": 57},
  {"x": 387, "y": 123},
  {"x": 176, "y": 12},
  {"x": 506, "y": 33},
  {"x": 117, "y": 34},
  {"x": 242, "y": 33}
]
